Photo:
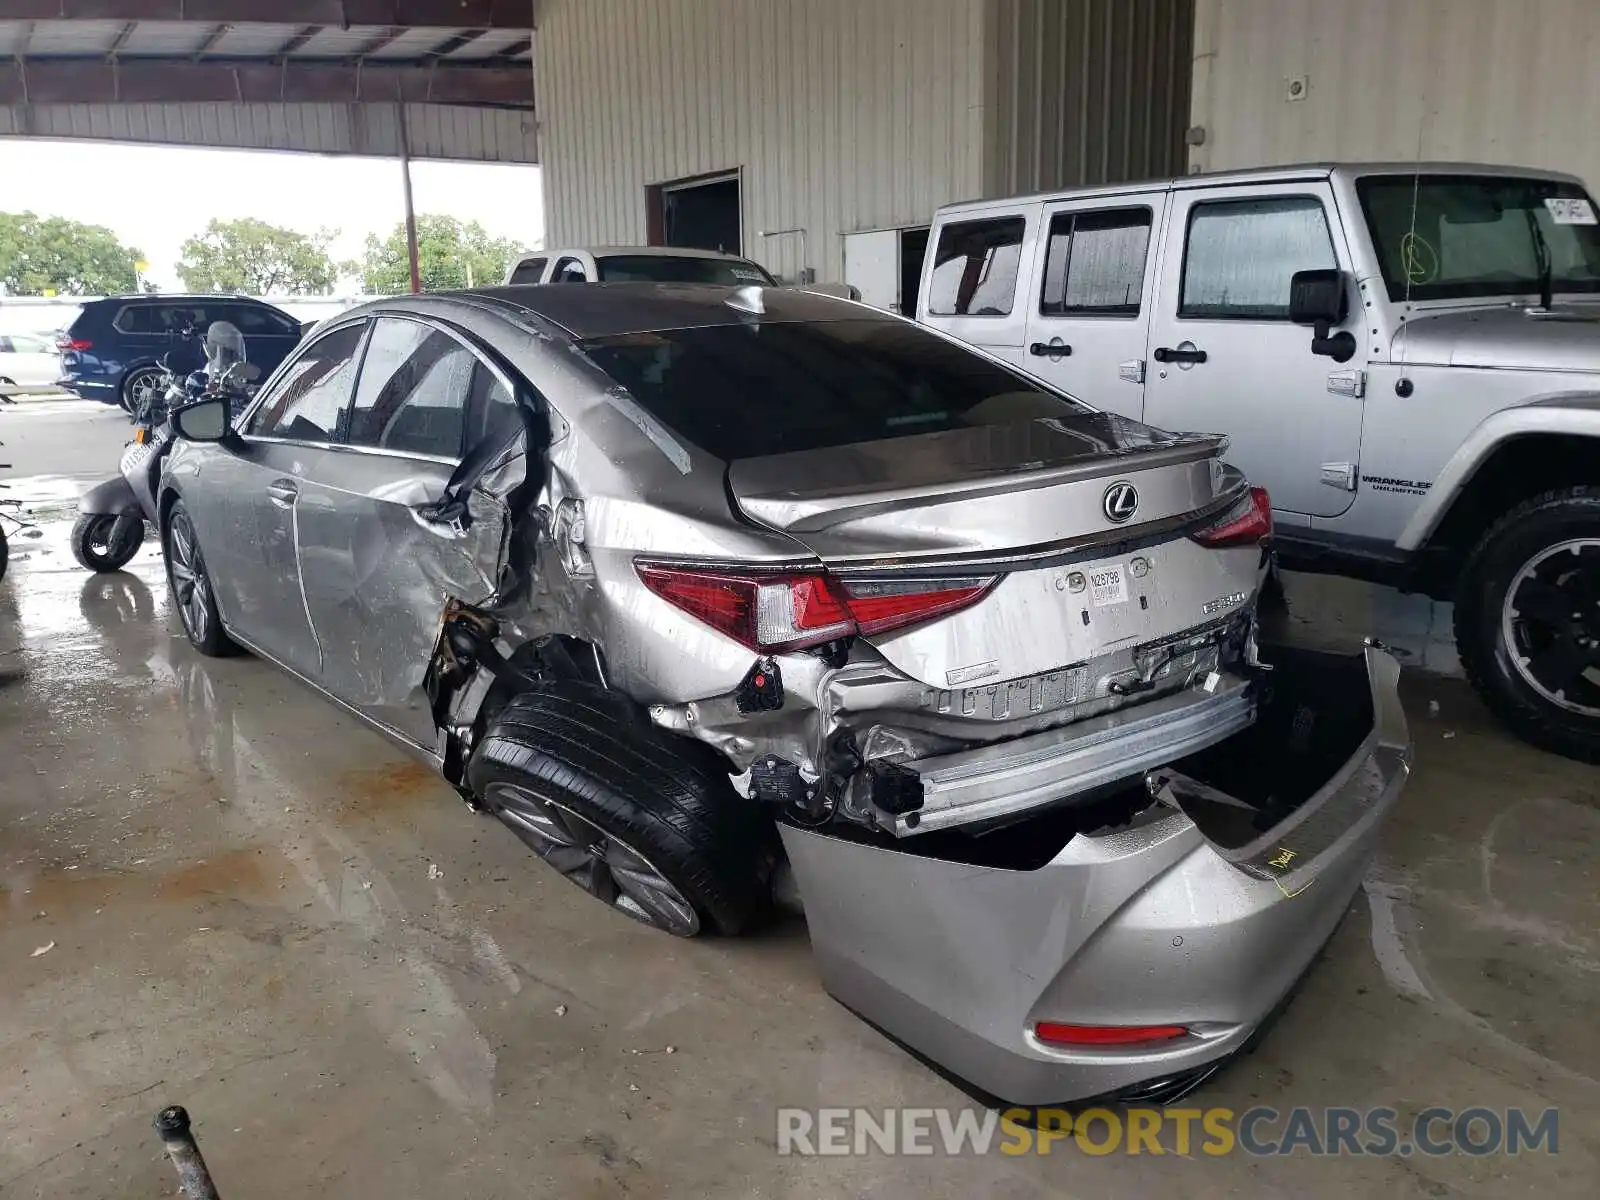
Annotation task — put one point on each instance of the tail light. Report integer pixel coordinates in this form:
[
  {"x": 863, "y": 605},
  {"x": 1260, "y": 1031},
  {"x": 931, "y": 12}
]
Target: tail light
[
  {"x": 74, "y": 344},
  {"x": 776, "y": 612},
  {"x": 1053, "y": 1033},
  {"x": 1247, "y": 523}
]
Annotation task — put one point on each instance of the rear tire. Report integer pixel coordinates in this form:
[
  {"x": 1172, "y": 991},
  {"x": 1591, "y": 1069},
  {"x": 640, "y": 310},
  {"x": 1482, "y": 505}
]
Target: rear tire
[
  {"x": 137, "y": 386},
  {"x": 189, "y": 584},
  {"x": 1528, "y": 621},
  {"x": 609, "y": 800},
  {"x": 97, "y": 545}
]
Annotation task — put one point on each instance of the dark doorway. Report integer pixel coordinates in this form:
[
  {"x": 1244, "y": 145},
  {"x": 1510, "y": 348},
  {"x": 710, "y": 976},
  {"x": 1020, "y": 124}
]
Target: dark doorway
[
  {"x": 696, "y": 214},
  {"x": 913, "y": 246}
]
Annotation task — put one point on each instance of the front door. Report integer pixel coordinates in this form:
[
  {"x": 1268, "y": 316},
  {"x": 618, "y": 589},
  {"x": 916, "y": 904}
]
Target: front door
[
  {"x": 1086, "y": 326},
  {"x": 253, "y": 526},
  {"x": 1225, "y": 358},
  {"x": 377, "y": 572}
]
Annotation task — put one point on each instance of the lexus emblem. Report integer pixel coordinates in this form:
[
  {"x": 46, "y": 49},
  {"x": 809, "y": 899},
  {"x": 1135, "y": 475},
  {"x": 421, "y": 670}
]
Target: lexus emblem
[{"x": 1120, "y": 502}]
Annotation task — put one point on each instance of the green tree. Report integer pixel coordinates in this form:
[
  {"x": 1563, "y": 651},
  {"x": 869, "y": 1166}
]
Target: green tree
[
  {"x": 44, "y": 254},
  {"x": 450, "y": 254},
  {"x": 255, "y": 258}
]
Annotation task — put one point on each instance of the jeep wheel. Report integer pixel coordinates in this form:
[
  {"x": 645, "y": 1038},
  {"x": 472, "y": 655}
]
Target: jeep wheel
[
  {"x": 1528, "y": 621},
  {"x": 640, "y": 819}
]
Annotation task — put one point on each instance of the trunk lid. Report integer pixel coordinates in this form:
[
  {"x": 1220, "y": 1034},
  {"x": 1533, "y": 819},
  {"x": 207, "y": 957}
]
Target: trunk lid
[{"x": 1030, "y": 505}]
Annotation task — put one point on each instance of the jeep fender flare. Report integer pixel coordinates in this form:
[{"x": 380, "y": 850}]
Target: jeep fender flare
[{"x": 1574, "y": 414}]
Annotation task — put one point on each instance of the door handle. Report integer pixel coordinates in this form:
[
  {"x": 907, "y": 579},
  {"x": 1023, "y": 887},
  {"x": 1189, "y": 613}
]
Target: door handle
[
  {"x": 1168, "y": 355},
  {"x": 282, "y": 492},
  {"x": 1050, "y": 349}
]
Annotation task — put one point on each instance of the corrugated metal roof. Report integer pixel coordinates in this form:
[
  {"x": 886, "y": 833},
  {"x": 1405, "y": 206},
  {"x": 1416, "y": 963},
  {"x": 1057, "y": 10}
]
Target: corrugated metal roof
[{"x": 439, "y": 131}]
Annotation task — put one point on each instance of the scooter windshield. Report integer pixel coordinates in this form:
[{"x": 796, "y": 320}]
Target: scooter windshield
[{"x": 224, "y": 348}]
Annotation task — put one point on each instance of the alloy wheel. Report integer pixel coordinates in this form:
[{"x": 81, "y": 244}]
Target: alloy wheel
[
  {"x": 601, "y": 863},
  {"x": 1550, "y": 622},
  {"x": 190, "y": 586}
]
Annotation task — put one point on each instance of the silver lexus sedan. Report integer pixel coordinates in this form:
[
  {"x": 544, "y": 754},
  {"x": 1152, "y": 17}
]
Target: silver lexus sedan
[{"x": 706, "y": 590}]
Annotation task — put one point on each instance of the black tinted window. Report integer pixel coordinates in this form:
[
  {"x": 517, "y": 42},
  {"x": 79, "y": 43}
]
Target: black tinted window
[
  {"x": 569, "y": 270},
  {"x": 161, "y": 318},
  {"x": 529, "y": 270},
  {"x": 1242, "y": 254},
  {"x": 743, "y": 391},
  {"x": 975, "y": 268},
  {"x": 1094, "y": 264},
  {"x": 412, "y": 397},
  {"x": 260, "y": 321},
  {"x": 673, "y": 268},
  {"x": 308, "y": 400}
]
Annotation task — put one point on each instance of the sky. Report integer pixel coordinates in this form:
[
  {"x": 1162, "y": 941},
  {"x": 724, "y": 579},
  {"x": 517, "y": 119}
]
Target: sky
[{"x": 153, "y": 197}]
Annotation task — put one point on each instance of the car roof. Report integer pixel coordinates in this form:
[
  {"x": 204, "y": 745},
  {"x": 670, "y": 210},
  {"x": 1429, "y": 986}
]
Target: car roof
[
  {"x": 1289, "y": 173},
  {"x": 181, "y": 298},
  {"x": 635, "y": 251},
  {"x": 608, "y": 309}
]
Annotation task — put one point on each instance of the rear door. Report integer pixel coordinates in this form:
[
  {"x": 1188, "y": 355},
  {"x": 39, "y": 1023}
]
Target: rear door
[
  {"x": 376, "y": 572},
  {"x": 248, "y": 520},
  {"x": 1225, "y": 358},
  {"x": 1089, "y": 312},
  {"x": 970, "y": 279}
]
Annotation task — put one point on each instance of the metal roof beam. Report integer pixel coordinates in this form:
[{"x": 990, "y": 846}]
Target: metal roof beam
[
  {"x": 453, "y": 43},
  {"x": 300, "y": 39},
  {"x": 442, "y": 14},
  {"x": 322, "y": 81}
]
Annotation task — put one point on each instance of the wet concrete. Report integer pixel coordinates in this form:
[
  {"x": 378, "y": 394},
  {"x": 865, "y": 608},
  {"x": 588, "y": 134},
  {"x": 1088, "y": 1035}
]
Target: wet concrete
[{"x": 359, "y": 989}]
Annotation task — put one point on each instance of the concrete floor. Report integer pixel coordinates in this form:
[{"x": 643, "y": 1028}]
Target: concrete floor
[{"x": 359, "y": 989}]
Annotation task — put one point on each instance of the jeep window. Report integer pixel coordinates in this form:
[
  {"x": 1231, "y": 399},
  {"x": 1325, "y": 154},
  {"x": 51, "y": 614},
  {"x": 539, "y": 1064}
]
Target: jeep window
[
  {"x": 748, "y": 390},
  {"x": 1094, "y": 263},
  {"x": 975, "y": 268},
  {"x": 529, "y": 270},
  {"x": 1446, "y": 237},
  {"x": 1241, "y": 255},
  {"x": 158, "y": 318},
  {"x": 677, "y": 268}
]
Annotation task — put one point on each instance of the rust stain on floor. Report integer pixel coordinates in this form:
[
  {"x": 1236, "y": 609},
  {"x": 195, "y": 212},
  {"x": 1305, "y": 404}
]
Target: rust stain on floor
[
  {"x": 371, "y": 791},
  {"x": 245, "y": 871}
]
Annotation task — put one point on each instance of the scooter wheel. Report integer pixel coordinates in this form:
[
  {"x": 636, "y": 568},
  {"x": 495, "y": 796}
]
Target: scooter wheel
[{"x": 100, "y": 545}]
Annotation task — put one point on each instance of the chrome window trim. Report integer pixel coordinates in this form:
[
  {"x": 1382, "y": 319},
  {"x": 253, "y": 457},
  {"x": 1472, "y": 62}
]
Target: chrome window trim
[{"x": 369, "y": 317}]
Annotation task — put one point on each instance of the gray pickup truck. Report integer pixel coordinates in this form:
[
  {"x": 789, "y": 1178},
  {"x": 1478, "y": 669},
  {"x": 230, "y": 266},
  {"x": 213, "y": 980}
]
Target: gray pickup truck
[{"x": 1406, "y": 356}]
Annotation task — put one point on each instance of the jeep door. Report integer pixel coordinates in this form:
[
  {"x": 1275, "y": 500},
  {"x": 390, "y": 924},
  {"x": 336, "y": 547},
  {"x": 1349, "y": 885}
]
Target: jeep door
[
  {"x": 1224, "y": 356},
  {"x": 1092, "y": 292}
]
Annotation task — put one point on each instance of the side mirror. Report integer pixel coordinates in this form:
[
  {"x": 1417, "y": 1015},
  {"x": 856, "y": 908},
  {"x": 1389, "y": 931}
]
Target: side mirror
[
  {"x": 202, "y": 421},
  {"x": 1321, "y": 299}
]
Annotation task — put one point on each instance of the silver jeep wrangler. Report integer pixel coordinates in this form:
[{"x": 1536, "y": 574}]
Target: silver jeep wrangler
[{"x": 1406, "y": 356}]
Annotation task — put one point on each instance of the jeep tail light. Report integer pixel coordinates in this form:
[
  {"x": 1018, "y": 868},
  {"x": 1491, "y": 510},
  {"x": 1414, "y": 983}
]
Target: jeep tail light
[
  {"x": 74, "y": 344},
  {"x": 1054, "y": 1033},
  {"x": 1247, "y": 523},
  {"x": 772, "y": 612}
]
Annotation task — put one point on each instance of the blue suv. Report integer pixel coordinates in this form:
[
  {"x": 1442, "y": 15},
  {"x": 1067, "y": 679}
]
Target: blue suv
[{"x": 110, "y": 352}]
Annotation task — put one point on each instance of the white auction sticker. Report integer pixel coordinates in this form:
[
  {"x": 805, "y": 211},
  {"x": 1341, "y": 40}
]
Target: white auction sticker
[
  {"x": 1108, "y": 585},
  {"x": 1570, "y": 210}
]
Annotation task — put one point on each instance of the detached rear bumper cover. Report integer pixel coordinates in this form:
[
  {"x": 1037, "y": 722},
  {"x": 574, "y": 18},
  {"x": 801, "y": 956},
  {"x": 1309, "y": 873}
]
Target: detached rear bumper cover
[{"x": 1144, "y": 924}]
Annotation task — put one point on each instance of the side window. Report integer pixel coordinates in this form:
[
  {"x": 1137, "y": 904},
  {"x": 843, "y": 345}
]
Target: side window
[
  {"x": 569, "y": 270},
  {"x": 412, "y": 397},
  {"x": 975, "y": 268},
  {"x": 491, "y": 408},
  {"x": 1242, "y": 253},
  {"x": 529, "y": 270},
  {"x": 309, "y": 398},
  {"x": 1094, "y": 263},
  {"x": 7, "y": 346},
  {"x": 259, "y": 321}
]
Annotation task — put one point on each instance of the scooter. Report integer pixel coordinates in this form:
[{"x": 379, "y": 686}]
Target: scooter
[{"x": 114, "y": 517}]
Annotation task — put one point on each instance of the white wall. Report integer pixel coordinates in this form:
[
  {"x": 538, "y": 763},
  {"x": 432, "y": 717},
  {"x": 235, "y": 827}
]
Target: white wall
[
  {"x": 842, "y": 114},
  {"x": 1512, "y": 81}
]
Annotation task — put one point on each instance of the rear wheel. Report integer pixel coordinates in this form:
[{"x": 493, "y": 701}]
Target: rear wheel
[
  {"x": 103, "y": 542},
  {"x": 1528, "y": 621},
  {"x": 139, "y": 388},
  {"x": 639, "y": 819},
  {"x": 190, "y": 587}
]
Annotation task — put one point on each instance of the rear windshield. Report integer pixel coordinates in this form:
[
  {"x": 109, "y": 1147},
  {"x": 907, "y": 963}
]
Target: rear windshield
[
  {"x": 674, "y": 268},
  {"x": 745, "y": 391}
]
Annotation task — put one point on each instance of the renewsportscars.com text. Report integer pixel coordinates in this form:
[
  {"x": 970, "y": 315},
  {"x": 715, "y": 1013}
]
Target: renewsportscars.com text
[{"x": 1257, "y": 1131}]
